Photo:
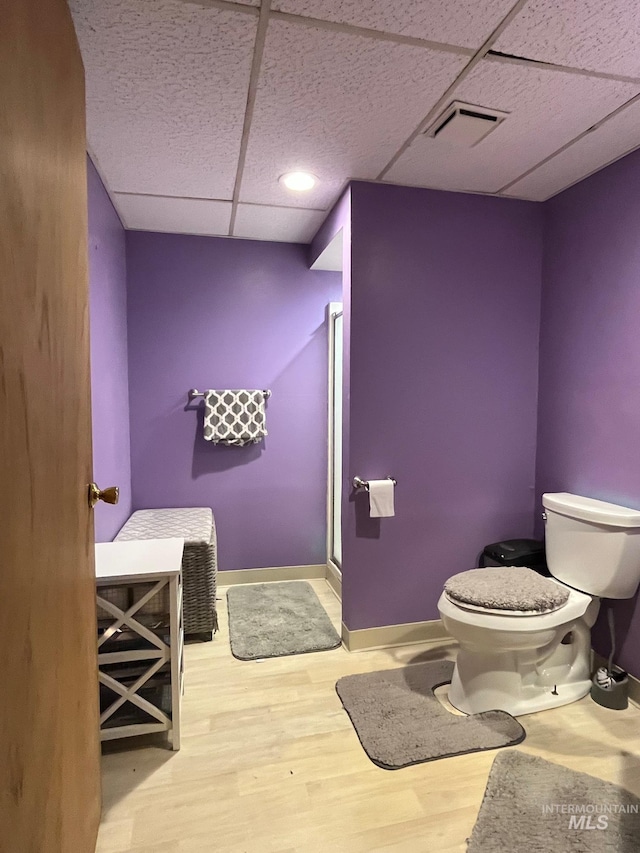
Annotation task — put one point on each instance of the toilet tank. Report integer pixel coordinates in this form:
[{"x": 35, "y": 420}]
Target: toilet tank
[{"x": 592, "y": 545}]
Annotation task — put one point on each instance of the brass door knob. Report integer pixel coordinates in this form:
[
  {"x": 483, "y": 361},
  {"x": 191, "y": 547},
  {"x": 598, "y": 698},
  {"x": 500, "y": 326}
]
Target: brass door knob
[{"x": 109, "y": 495}]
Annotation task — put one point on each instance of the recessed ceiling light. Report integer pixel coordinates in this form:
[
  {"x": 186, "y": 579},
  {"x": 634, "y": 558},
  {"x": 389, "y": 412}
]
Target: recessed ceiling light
[{"x": 298, "y": 181}]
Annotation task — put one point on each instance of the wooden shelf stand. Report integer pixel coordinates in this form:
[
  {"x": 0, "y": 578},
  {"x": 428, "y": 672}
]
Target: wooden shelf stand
[{"x": 140, "y": 637}]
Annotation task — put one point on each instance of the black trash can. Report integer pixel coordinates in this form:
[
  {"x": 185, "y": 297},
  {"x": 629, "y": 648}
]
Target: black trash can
[{"x": 516, "y": 552}]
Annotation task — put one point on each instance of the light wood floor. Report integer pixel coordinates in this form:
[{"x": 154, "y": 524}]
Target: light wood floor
[{"x": 271, "y": 764}]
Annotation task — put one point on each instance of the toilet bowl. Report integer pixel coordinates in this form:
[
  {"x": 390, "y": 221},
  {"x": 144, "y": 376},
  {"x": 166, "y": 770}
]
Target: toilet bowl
[
  {"x": 523, "y": 661},
  {"x": 520, "y": 663}
]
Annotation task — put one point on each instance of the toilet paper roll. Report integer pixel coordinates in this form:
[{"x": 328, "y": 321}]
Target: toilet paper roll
[{"x": 381, "y": 497}]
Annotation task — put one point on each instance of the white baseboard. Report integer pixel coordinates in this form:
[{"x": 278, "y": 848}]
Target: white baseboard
[
  {"x": 334, "y": 579},
  {"x": 388, "y": 636},
  {"x": 232, "y": 577}
]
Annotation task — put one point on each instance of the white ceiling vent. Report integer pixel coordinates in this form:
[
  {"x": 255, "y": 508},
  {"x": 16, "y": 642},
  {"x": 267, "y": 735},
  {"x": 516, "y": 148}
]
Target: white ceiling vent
[{"x": 464, "y": 125}]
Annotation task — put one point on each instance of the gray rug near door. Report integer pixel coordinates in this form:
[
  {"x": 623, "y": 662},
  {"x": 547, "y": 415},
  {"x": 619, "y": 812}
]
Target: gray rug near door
[
  {"x": 399, "y": 720},
  {"x": 268, "y": 620},
  {"x": 522, "y": 810}
]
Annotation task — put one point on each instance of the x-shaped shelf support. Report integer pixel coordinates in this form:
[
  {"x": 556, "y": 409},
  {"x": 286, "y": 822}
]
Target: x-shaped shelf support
[
  {"x": 126, "y": 618},
  {"x": 123, "y": 617}
]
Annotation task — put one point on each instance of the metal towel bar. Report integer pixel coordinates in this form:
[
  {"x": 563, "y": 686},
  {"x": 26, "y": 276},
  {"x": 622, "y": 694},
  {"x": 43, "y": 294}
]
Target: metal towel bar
[
  {"x": 195, "y": 393},
  {"x": 359, "y": 484}
]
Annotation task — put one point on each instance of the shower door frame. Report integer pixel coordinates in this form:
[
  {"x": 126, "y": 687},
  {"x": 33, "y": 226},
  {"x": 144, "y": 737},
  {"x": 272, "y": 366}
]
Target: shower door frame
[{"x": 334, "y": 311}]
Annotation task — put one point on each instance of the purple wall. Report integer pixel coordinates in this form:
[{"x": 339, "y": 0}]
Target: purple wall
[
  {"x": 589, "y": 413},
  {"x": 208, "y": 312},
  {"x": 109, "y": 371},
  {"x": 445, "y": 292}
]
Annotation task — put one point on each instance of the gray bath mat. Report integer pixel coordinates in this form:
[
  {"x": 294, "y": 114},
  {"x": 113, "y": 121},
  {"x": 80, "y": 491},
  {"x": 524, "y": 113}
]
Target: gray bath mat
[
  {"x": 533, "y": 805},
  {"x": 399, "y": 720},
  {"x": 269, "y": 620}
]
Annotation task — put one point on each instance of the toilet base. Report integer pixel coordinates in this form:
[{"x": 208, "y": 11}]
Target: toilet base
[{"x": 502, "y": 682}]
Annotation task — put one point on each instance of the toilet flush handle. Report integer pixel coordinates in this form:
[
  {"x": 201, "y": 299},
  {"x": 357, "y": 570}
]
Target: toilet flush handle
[{"x": 544, "y": 516}]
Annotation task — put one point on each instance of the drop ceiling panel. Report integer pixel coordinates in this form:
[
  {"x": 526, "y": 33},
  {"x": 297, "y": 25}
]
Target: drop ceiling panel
[
  {"x": 598, "y": 35},
  {"x": 280, "y": 224},
  {"x": 466, "y": 23},
  {"x": 335, "y": 104},
  {"x": 612, "y": 140},
  {"x": 174, "y": 215},
  {"x": 166, "y": 93},
  {"x": 548, "y": 108}
]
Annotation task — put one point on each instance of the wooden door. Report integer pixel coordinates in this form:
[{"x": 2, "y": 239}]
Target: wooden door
[{"x": 49, "y": 747}]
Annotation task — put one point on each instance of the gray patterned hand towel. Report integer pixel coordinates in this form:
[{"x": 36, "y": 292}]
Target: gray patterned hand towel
[{"x": 234, "y": 418}]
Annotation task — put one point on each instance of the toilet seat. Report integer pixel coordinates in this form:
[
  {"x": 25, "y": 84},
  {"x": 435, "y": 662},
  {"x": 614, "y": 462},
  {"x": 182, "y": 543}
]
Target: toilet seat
[{"x": 576, "y": 606}]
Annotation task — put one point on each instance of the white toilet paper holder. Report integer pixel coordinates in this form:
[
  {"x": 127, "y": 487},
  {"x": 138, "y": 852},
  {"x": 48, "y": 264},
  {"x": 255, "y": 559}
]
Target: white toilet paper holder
[{"x": 359, "y": 484}]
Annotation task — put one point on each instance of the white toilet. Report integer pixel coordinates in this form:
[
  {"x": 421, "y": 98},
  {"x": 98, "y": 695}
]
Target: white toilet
[{"x": 526, "y": 660}]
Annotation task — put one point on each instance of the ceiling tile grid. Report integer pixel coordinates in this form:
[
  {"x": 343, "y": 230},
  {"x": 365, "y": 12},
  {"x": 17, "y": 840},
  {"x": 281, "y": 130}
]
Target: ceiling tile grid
[
  {"x": 547, "y": 109},
  {"x": 597, "y": 35},
  {"x": 279, "y": 224},
  {"x": 335, "y": 104},
  {"x": 612, "y": 140},
  {"x": 466, "y": 23},
  {"x": 166, "y": 93},
  {"x": 174, "y": 215}
]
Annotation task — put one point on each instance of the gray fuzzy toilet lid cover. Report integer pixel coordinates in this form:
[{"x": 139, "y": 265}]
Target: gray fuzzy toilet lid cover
[{"x": 506, "y": 588}]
